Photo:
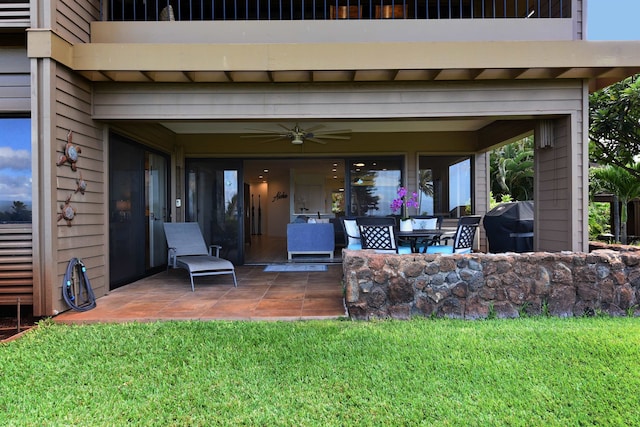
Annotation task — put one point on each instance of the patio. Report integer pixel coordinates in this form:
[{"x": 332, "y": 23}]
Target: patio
[{"x": 260, "y": 295}]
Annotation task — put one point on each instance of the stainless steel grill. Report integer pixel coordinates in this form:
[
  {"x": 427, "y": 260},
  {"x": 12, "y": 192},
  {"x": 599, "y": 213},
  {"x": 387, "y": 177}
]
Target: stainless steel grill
[{"x": 290, "y": 10}]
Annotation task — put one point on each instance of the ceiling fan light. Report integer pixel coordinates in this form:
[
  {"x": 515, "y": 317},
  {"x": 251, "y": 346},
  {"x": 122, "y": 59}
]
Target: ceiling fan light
[{"x": 297, "y": 140}]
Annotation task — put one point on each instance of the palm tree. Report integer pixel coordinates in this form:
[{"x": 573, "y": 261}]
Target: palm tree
[
  {"x": 20, "y": 212},
  {"x": 512, "y": 170},
  {"x": 622, "y": 184},
  {"x": 425, "y": 185}
]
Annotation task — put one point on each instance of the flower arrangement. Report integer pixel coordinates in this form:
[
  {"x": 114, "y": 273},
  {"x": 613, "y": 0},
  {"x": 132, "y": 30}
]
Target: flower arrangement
[{"x": 402, "y": 201}]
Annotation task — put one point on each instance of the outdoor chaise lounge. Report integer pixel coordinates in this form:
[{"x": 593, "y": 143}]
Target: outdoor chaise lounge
[{"x": 188, "y": 250}]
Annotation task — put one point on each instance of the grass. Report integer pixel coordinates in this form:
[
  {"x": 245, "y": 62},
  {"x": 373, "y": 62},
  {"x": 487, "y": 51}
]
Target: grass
[{"x": 525, "y": 372}]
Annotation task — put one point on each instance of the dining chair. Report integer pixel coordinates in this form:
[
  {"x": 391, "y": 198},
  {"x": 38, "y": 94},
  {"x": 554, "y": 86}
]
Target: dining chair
[
  {"x": 462, "y": 239},
  {"x": 376, "y": 220},
  {"x": 381, "y": 238},
  {"x": 351, "y": 233}
]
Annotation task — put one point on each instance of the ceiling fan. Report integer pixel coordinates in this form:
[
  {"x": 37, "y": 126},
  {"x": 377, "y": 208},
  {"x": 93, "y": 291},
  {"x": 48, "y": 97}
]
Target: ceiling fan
[{"x": 298, "y": 135}]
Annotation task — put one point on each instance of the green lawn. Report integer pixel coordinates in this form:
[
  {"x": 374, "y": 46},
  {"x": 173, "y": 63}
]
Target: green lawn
[{"x": 529, "y": 372}]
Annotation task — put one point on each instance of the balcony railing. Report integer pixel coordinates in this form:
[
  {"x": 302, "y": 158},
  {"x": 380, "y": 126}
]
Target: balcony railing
[{"x": 291, "y": 10}]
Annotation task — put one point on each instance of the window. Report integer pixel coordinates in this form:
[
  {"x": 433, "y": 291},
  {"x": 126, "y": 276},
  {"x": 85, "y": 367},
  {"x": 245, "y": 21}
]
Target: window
[
  {"x": 15, "y": 170},
  {"x": 373, "y": 185},
  {"x": 445, "y": 186}
]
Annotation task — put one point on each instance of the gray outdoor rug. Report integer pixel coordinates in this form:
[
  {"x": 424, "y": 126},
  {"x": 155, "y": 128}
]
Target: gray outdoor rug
[{"x": 295, "y": 267}]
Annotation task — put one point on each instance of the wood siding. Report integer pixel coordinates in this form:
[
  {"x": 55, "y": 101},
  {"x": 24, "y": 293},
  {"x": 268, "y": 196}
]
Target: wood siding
[
  {"x": 73, "y": 19},
  {"x": 378, "y": 101},
  {"x": 86, "y": 238},
  {"x": 481, "y": 189},
  {"x": 16, "y": 264},
  {"x": 559, "y": 191}
]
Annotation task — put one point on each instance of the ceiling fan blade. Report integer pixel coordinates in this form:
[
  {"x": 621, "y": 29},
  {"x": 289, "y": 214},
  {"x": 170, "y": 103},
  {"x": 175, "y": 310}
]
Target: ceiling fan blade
[
  {"x": 316, "y": 140},
  {"x": 270, "y": 131},
  {"x": 329, "y": 136},
  {"x": 313, "y": 128},
  {"x": 278, "y": 138},
  {"x": 329, "y": 131},
  {"x": 265, "y": 135},
  {"x": 288, "y": 129}
]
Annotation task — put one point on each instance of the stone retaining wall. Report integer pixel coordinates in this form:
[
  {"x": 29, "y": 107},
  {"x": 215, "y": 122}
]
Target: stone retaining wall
[{"x": 481, "y": 285}]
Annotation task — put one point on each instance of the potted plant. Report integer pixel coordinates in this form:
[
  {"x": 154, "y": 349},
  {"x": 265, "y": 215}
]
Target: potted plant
[{"x": 402, "y": 204}]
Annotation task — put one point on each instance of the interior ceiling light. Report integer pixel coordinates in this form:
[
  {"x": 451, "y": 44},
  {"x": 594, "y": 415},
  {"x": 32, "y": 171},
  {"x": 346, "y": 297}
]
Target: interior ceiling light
[
  {"x": 359, "y": 164},
  {"x": 265, "y": 170},
  {"x": 297, "y": 139}
]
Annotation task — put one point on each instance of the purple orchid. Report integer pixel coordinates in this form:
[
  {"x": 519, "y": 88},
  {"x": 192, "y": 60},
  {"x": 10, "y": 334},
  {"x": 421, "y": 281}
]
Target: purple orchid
[{"x": 397, "y": 204}]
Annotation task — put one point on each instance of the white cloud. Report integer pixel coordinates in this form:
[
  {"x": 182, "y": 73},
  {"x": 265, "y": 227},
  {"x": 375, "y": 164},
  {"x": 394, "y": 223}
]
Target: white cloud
[
  {"x": 15, "y": 187},
  {"x": 15, "y": 159}
]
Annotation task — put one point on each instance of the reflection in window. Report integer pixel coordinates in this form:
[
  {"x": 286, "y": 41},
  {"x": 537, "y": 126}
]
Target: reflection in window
[
  {"x": 15, "y": 170},
  {"x": 374, "y": 185},
  {"x": 444, "y": 184}
]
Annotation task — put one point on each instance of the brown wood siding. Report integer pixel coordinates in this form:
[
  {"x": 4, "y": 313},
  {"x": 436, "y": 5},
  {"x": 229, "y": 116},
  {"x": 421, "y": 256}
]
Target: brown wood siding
[
  {"x": 16, "y": 264},
  {"x": 481, "y": 191},
  {"x": 210, "y": 101},
  {"x": 85, "y": 238},
  {"x": 74, "y": 19},
  {"x": 554, "y": 192}
]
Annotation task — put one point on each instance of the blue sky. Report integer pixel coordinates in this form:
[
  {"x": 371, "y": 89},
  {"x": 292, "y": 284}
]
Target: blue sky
[
  {"x": 15, "y": 161},
  {"x": 613, "y": 19}
]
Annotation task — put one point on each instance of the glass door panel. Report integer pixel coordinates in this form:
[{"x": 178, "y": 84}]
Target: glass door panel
[
  {"x": 445, "y": 186},
  {"x": 156, "y": 189},
  {"x": 214, "y": 200},
  {"x": 127, "y": 226},
  {"x": 373, "y": 184},
  {"x": 138, "y": 207}
]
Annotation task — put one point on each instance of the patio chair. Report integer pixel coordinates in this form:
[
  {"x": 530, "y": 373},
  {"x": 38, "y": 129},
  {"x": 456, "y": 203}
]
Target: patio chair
[
  {"x": 351, "y": 233},
  {"x": 381, "y": 238},
  {"x": 188, "y": 250},
  {"x": 462, "y": 239}
]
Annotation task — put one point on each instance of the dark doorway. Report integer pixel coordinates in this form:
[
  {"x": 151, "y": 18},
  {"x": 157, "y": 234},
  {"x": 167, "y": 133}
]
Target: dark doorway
[
  {"x": 215, "y": 201},
  {"x": 138, "y": 203}
]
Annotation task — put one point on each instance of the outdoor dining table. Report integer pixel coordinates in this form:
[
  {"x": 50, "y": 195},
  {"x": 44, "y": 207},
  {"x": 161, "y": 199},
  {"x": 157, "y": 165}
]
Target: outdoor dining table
[{"x": 432, "y": 235}]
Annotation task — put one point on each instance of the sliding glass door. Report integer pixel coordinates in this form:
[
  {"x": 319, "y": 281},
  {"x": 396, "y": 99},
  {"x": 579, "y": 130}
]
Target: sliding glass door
[
  {"x": 138, "y": 208},
  {"x": 215, "y": 201}
]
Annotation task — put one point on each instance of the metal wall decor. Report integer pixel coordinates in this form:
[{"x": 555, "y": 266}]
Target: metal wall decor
[
  {"x": 70, "y": 156},
  {"x": 68, "y": 211},
  {"x": 81, "y": 185},
  {"x": 70, "y": 153}
]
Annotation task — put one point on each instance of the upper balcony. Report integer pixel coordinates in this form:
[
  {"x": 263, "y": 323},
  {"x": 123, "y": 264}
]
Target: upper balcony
[
  {"x": 300, "y": 41},
  {"x": 300, "y": 10},
  {"x": 334, "y": 21}
]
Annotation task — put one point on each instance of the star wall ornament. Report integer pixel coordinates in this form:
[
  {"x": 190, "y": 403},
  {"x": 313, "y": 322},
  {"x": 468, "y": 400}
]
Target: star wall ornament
[{"x": 70, "y": 153}]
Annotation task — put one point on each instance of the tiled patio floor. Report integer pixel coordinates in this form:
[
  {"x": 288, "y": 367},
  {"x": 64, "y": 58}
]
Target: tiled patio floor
[{"x": 259, "y": 296}]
